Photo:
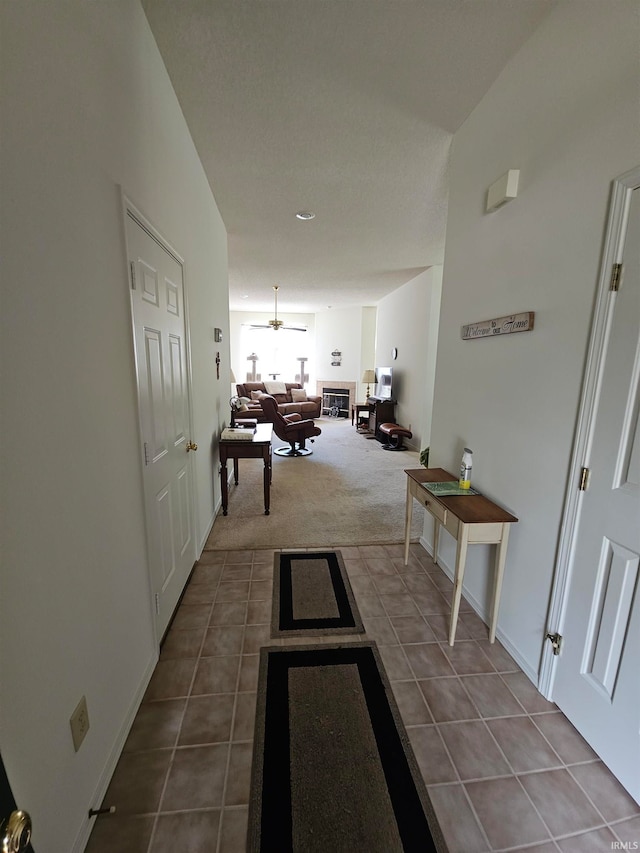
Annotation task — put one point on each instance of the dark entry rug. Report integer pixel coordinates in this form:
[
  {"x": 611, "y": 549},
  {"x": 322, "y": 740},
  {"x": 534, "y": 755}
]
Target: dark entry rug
[
  {"x": 332, "y": 766},
  {"x": 312, "y": 596}
]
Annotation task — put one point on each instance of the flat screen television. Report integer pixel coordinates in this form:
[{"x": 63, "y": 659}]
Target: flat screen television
[{"x": 384, "y": 383}]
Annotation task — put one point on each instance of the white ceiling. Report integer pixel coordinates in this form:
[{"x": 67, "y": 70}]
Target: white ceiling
[{"x": 342, "y": 107}]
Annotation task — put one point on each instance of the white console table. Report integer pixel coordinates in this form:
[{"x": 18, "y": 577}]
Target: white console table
[{"x": 470, "y": 519}]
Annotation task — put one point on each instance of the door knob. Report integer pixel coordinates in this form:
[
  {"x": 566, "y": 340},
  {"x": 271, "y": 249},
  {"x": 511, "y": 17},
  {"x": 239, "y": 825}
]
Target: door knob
[
  {"x": 17, "y": 835},
  {"x": 191, "y": 445}
]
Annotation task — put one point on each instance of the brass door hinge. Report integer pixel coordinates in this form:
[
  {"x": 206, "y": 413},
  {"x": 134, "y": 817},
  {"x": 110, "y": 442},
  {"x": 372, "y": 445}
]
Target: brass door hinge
[
  {"x": 584, "y": 480},
  {"x": 616, "y": 277},
  {"x": 556, "y": 642}
]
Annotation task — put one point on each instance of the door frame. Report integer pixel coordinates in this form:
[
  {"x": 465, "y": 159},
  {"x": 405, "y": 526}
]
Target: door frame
[
  {"x": 615, "y": 235},
  {"x": 131, "y": 210}
]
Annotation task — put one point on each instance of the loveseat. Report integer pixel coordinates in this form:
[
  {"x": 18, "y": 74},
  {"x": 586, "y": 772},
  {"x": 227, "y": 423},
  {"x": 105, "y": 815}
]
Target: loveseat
[{"x": 290, "y": 397}]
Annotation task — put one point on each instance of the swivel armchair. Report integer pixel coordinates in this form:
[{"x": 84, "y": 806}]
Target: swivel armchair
[{"x": 290, "y": 428}]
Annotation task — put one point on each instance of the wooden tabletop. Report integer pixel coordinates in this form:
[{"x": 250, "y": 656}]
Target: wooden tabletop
[{"x": 470, "y": 509}]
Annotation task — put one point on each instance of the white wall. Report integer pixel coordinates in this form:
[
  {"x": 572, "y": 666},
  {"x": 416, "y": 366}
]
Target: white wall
[
  {"x": 87, "y": 107},
  {"x": 367, "y": 348},
  {"x": 564, "y": 112},
  {"x": 430, "y": 365},
  {"x": 339, "y": 329},
  {"x": 407, "y": 319}
]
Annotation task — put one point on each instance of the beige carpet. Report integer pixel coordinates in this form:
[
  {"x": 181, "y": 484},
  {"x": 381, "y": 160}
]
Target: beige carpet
[{"x": 348, "y": 492}]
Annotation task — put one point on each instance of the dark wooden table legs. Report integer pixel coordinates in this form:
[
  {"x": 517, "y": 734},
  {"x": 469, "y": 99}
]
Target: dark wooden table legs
[
  {"x": 224, "y": 486},
  {"x": 257, "y": 448},
  {"x": 266, "y": 476}
]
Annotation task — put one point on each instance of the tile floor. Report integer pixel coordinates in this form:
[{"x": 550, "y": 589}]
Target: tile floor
[{"x": 504, "y": 768}]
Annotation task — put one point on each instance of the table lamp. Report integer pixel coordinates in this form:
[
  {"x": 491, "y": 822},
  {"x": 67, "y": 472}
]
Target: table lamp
[{"x": 369, "y": 376}]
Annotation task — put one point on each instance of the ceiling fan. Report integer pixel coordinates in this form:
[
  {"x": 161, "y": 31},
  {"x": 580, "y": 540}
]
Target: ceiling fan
[{"x": 276, "y": 324}]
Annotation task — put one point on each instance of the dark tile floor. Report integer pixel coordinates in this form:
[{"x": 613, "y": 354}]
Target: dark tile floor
[{"x": 504, "y": 768}]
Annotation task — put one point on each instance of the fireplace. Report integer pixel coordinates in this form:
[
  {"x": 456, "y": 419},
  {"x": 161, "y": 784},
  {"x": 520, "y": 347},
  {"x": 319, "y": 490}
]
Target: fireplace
[
  {"x": 335, "y": 402},
  {"x": 335, "y": 387}
]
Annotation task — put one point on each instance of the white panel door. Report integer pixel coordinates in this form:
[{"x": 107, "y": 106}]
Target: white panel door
[
  {"x": 157, "y": 298},
  {"x": 597, "y": 680}
]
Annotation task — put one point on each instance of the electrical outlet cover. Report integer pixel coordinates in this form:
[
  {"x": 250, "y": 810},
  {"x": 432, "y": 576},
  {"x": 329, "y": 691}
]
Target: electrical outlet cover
[{"x": 79, "y": 723}]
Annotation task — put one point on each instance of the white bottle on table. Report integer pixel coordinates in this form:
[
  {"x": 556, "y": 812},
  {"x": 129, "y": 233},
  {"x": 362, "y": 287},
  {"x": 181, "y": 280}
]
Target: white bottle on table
[{"x": 465, "y": 469}]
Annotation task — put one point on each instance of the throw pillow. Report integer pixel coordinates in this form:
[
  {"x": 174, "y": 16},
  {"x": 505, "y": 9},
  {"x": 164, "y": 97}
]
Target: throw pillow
[
  {"x": 255, "y": 395},
  {"x": 298, "y": 395}
]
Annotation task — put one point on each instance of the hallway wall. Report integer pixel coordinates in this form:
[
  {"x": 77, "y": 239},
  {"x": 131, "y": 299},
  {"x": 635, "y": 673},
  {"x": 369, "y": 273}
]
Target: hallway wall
[
  {"x": 87, "y": 109},
  {"x": 564, "y": 112},
  {"x": 407, "y": 319}
]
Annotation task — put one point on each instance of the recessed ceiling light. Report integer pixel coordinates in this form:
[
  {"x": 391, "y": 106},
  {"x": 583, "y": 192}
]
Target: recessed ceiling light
[{"x": 305, "y": 215}]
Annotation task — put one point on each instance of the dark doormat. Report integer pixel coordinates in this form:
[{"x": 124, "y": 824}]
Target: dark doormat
[
  {"x": 312, "y": 596},
  {"x": 333, "y": 769}
]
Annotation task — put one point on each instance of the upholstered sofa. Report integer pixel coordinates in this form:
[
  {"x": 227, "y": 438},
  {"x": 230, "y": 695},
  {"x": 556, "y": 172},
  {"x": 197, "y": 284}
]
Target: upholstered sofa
[{"x": 290, "y": 397}]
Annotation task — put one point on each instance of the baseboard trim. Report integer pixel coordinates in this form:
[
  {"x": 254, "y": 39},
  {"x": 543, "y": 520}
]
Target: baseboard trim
[
  {"x": 216, "y": 509},
  {"x": 209, "y": 527}
]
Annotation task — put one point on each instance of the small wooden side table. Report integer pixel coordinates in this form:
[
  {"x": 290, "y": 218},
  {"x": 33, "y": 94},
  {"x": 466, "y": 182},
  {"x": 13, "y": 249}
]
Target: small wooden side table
[
  {"x": 355, "y": 413},
  {"x": 469, "y": 519},
  {"x": 258, "y": 447}
]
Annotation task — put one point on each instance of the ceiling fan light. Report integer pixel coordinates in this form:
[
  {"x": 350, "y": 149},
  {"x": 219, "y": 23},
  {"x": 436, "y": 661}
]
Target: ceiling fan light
[{"x": 276, "y": 324}]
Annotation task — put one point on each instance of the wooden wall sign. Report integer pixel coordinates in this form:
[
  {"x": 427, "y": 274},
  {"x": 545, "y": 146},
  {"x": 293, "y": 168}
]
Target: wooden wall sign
[{"x": 499, "y": 326}]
